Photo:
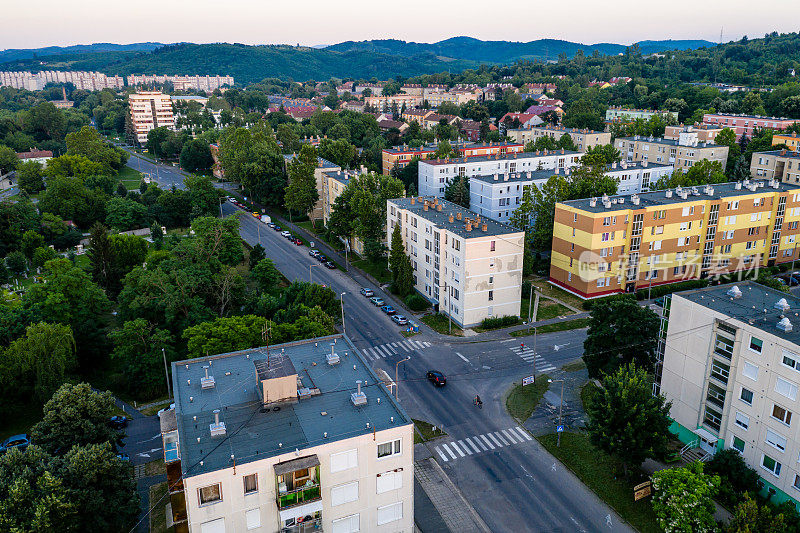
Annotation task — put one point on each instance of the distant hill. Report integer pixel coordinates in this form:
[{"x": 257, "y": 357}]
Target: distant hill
[{"x": 15, "y": 54}]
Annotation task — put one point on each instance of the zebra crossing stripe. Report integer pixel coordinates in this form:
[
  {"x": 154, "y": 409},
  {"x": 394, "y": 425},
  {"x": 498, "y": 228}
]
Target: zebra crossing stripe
[
  {"x": 548, "y": 368},
  {"x": 404, "y": 346},
  {"x": 499, "y": 436},
  {"x": 466, "y": 448},
  {"x": 443, "y": 456},
  {"x": 385, "y": 349},
  {"x": 508, "y": 436},
  {"x": 448, "y": 451},
  {"x": 419, "y": 345},
  {"x": 488, "y": 442},
  {"x": 477, "y": 450},
  {"x": 427, "y": 344},
  {"x": 524, "y": 433},
  {"x": 389, "y": 346},
  {"x": 378, "y": 353},
  {"x": 495, "y": 440},
  {"x": 456, "y": 448}
]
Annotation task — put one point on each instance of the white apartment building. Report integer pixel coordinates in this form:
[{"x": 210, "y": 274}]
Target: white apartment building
[
  {"x": 434, "y": 174},
  {"x": 182, "y": 83},
  {"x": 469, "y": 266},
  {"x": 291, "y": 438},
  {"x": 89, "y": 81},
  {"x": 583, "y": 138},
  {"x": 683, "y": 152},
  {"x": 731, "y": 368},
  {"x": 149, "y": 110},
  {"x": 496, "y": 196}
]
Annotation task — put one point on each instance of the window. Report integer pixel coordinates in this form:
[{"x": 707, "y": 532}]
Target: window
[
  {"x": 213, "y": 526},
  {"x": 750, "y": 370},
  {"x": 389, "y": 481},
  {"x": 756, "y": 344},
  {"x": 737, "y": 444},
  {"x": 388, "y": 449},
  {"x": 348, "y": 524},
  {"x": 390, "y": 513},
  {"x": 342, "y": 494},
  {"x": 786, "y": 388},
  {"x": 775, "y": 440},
  {"x": 491, "y": 246},
  {"x": 344, "y": 460},
  {"x": 491, "y": 295},
  {"x": 724, "y": 347},
  {"x": 790, "y": 360},
  {"x": 720, "y": 371},
  {"x": 713, "y": 418},
  {"x": 782, "y": 414},
  {"x": 210, "y": 494},
  {"x": 771, "y": 464},
  {"x": 250, "y": 483},
  {"x": 796, "y": 483},
  {"x": 253, "y": 518},
  {"x": 742, "y": 420},
  {"x": 746, "y": 396}
]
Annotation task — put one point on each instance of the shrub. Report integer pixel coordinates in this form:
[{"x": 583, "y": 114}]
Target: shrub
[
  {"x": 416, "y": 302},
  {"x": 661, "y": 290},
  {"x": 588, "y": 304},
  {"x": 499, "y": 322},
  {"x": 737, "y": 477}
]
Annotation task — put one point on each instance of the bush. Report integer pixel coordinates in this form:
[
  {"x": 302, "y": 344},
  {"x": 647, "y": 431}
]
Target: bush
[
  {"x": 588, "y": 304},
  {"x": 499, "y": 322},
  {"x": 661, "y": 290},
  {"x": 416, "y": 302},
  {"x": 737, "y": 477}
]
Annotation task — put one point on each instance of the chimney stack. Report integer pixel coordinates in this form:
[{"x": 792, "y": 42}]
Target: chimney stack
[
  {"x": 468, "y": 226},
  {"x": 459, "y": 215},
  {"x": 450, "y": 219},
  {"x": 484, "y": 227}
]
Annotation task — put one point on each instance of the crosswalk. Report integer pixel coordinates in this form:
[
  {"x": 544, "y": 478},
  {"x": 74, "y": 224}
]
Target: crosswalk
[
  {"x": 527, "y": 355},
  {"x": 481, "y": 443},
  {"x": 389, "y": 349}
]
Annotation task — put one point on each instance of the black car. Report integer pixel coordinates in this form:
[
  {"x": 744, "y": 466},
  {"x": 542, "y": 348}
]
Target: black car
[
  {"x": 313, "y": 253},
  {"x": 276, "y": 227},
  {"x": 330, "y": 265},
  {"x": 118, "y": 421},
  {"x": 321, "y": 258},
  {"x": 436, "y": 377}
]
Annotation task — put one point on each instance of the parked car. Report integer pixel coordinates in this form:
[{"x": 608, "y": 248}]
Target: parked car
[
  {"x": 118, "y": 421},
  {"x": 20, "y": 441},
  {"x": 321, "y": 258},
  {"x": 257, "y": 215},
  {"x": 313, "y": 253},
  {"x": 436, "y": 377},
  {"x": 286, "y": 234},
  {"x": 367, "y": 292},
  {"x": 400, "y": 320},
  {"x": 271, "y": 224},
  {"x": 329, "y": 264},
  {"x": 388, "y": 309},
  {"x": 377, "y": 301},
  {"x": 297, "y": 241},
  {"x": 123, "y": 457}
]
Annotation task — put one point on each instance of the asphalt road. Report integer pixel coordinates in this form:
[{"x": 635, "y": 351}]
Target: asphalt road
[{"x": 166, "y": 176}]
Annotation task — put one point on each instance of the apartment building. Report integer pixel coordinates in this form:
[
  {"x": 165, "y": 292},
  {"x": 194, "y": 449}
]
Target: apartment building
[
  {"x": 182, "y": 83},
  {"x": 323, "y": 166},
  {"x": 705, "y": 132},
  {"x": 418, "y": 115},
  {"x": 402, "y": 155},
  {"x": 583, "y": 138},
  {"x": 149, "y": 110},
  {"x": 496, "y": 196},
  {"x": 746, "y": 125},
  {"x": 457, "y": 97},
  {"x": 296, "y": 437},
  {"x": 89, "y": 81},
  {"x": 435, "y": 173},
  {"x": 619, "y": 244},
  {"x": 783, "y": 165},
  {"x": 621, "y": 114},
  {"x": 468, "y": 266},
  {"x": 792, "y": 141},
  {"x": 731, "y": 368},
  {"x": 682, "y": 153},
  {"x": 385, "y": 103}
]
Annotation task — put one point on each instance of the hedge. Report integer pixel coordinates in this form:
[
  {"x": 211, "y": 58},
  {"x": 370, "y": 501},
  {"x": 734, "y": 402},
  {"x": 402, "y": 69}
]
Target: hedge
[
  {"x": 661, "y": 290},
  {"x": 588, "y": 304},
  {"x": 416, "y": 302},
  {"x": 499, "y": 322}
]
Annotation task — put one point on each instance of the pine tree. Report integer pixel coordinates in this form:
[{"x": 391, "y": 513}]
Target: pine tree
[
  {"x": 457, "y": 192},
  {"x": 301, "y": 193},
  {"x": 397, "y": 252},
  {"x": 405, "y": 278}
]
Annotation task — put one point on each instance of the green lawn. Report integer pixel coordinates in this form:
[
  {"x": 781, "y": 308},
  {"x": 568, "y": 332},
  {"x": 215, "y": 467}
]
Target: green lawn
[
  {"x": 159, "y": 501},
  {"x": 551, "y": 291},
  {"x": 130, "y": 177},
  {"x": 578, "y": 323},
  {"x": 522, "y": 401},
  {"x": 547, "y": 309},
  {"x": 379, "y": 270},
  {"x": 574, "y": 366},
  {"x": 602, "y": 473},
  {"x": 425, "y": 431},
  {"x": 439, "y": 323}
]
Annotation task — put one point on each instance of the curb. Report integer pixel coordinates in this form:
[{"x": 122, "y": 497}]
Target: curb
[{"x": 478, "y": 520}]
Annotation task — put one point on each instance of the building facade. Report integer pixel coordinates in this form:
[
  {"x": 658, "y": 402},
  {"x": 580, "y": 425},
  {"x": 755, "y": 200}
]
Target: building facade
[
  {"x": 434, "y": 174},
  {"x": 782, "y": 165},
  {"x": 682, "y": 153},
  {"x": 621, "y": 114},
  {"x": 182, "y": 83},
  {"x": 746, "y": 125},
  {"x": 583, "y": 139},
  {"x": 467, "y": 265},
  {"x": 620, "y": 244},
  {"x": 246, "y": 448},
  {"x": 792, "y": 141},
  {"x": 323, "y": 166},
  {"x": 149, "y": 110},
  {"x": 731, "y": 364},
  {"x": 401, "y": 156},
  {"x": 88, "y": 81},
  {"x": 705, "y": 133}
]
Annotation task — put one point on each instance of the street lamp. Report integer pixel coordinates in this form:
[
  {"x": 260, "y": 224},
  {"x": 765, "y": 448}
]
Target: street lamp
[
  {"x": 309, "y": 271},
  {"x": 560, "y": 408},
  {"x": 344, "y": 329},
  {"x": 221, "y": 200},
  {"x": 396, "y": 386}
]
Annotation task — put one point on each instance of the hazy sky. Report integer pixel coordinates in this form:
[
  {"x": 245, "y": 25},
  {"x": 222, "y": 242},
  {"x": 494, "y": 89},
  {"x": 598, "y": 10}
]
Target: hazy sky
[{"x": 313, "y": 22}]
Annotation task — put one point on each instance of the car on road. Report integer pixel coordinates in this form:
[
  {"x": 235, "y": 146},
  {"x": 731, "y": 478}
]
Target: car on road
[
  {"x": 313, "y": 253},
  {"x": 329, "y": 264},
  {"x": 118, "y": 421},
  {"x": 400, "y": 320},
  {"x": 367, "y": 292},
  {"x": 20, "y": 441},
  {"x": 286, "y": 234},
  {"x": 321, "y": 258},
  {"x": 388, "y": 309},
  {"x": 276, "y": 227},
  {"x": 436, "y": 377},
  {"x": 297, "y": 241},
  {"x": 377, "y": 301},
  {"x": 271, "y": 224},
  {"x": 257, "y": 215}
]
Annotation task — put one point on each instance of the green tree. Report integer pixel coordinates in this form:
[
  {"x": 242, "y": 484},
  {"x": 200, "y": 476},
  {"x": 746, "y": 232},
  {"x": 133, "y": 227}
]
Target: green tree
[
  {"x": 72, "y": 200},
  {"x": 338, "y": 151},
  {"x": 42, "y": 255},
  {"x": 396, "y": 252},
  {"x": 203, "y": 196},
  {"x": 457, "y": 191},
  {"x": 87, "y": 142},
  {"x": 256, "y": 255},
  {"x": 565, "y": 142},
  {"x": 138, "y": 350},
  {"x": 620, "y": 332},
  {"x": 16, "y": 262},
  {"x": 30, "y": 242},
  {"x": 301, "y": 193},
  {"x": 29, "y": 177},
  {"x": 626, "y": 420},
  {"x": 196, "y": 156},
  {"x": 253, "y": 158},
  {"x": 101, "y": 258},
  {"x": 8, "y": 160},
  {"x": 225, "y": 335},
  {"x": 266, "y": 275},
  {"x": 601, "y": 156},
  {"x": 702, "y": 173},
  {"x": 683, "y": 499},
  {"x": 72, "y": 166},
  {"x": 404, "y": 284},
  {"x": 521, "y": 216},
  {"x": 124, "y": 214},
  {"x": 748, "y": 517}
]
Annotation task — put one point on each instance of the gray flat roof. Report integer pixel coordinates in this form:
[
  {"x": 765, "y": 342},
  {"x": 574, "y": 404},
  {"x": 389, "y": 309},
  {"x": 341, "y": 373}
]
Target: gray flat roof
[
  {"x": 324, "y": 163},
  {"x": 755, "y": 307},
  {"x": 780, "y": 153},
  {"x": 516, "y": 176},
  {"x": 561, "y": 129},
  {"x": 659, "y": 198},
  {"x": 442, "y": 218},
  {"x": 637, "y": 164},
  {"x": 671, "y": 142},
  {"x": 505, "y": 157},
  {"x": 253, "y": 434}
]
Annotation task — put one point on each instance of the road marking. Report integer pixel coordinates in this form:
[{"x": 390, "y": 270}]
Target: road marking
[
  {"x": 488, "y": 443},
  {"x": 383, "y": 349},
  {"x": 394, "y": 344},
  {"x": 477, "y": 450},
  {"x": 444, "y": 458},
  {"x": 456, "y": 448},
  {"x": 374, "y": 353},
  {"x": 508, "y": 436},
  {"x": 462, "y": 357},
  {"x": 495, "y": 440},
  {"x": 466, "y": 448},
  {"x": 499, "y": 436},
  {"x": 524, "y": 433},
  {"x": 448, "y": 451},
  {"x": 403, "y": 345},
  {"x": 427, "y": 344},
  {"x": 389, "y": 346}
]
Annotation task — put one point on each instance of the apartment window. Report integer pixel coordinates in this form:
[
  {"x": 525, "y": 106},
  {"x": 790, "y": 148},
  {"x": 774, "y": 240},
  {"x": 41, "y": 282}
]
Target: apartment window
[
  {"x": 348, "y": 524},
  {"x": 252, "y": 518},
  {"x": 491, "y": 295},
  {"x": 606, "y": 221},
  {"x": 779, "y": 413},
  {"x": 455, "y": 296},
  {"x": 575, "y": 217},
  {"x": 387, "y": 449},
  {"x": 250, "y": 483},
  {"x": 756, "y": 344},
  {"x": 344, "y": 460},
  {"x": 390, "y": 513},
  {"x": 720, "y": 371},
  {"x": 387, "y": 481},
  {"x": 491, "y": 280},
  {"x": 346, "y": 493},
  {"x": 750, "y": 370},
  {"x": 786, "y": 388},
  {"x": 210, "y": 494},
  {"x": 742, "y": 420},
  {"x": 491, "y": 246},
  {"x": 746, "y": 396},
  {"x": 771, "y": 464},
  {"x": 713, "y": 418},
  {"x": 456, "y": 244},
  {"x": 604, "y": 237},
  {"x": 737, "y": 444},
  {"x": 790, "y": 360},
  {"x": 775, "y": 440}
]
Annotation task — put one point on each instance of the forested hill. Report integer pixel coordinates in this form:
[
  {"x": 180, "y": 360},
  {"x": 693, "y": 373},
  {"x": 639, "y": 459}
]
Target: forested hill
[
  {"x": 15, "y": 54},
  {"x": 507, "y": 51}
]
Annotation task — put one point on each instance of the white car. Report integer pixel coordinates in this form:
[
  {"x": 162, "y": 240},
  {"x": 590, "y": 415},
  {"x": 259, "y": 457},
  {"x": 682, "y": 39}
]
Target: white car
[{"x": 285, "y": 233}]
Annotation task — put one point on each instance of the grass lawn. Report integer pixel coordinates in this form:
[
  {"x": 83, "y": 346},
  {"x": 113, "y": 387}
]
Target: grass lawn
[
  {"x": 578, "y": 323},
  {"x": 19, "y": 419},
  {"x": 551, "y": 291},
  {"x": 379, "y": 270},
  {"x": 130, "y": 177},
  {"x": 599, "y": 472},
  {"x": 522, "y": 401},
  {"x": 574, "y": 366},
  {"x": 153, "y": 409},
  {"x": 439, "y": 323},
  {"x": 407, "y": 334},
  {"x": 159, "y": 500},
  {"x": 425, "y": 431}
]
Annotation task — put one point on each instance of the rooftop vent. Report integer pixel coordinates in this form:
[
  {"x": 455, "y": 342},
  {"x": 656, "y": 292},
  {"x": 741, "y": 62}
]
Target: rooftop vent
[
  {"x": 208, "y": 381},
  {"x": 734, "y": 292},
  {"x": 332, "y": 358},
  {"x": 635, "y": 199},
  {"x": 217, "y": 428},
  {"x": 358, "y": 398},
  {"x": 593, "y": 202},
  {"x": 782, "y": 304},
  {"x": 784, "y": 325},
  {"x": 668, "y": 193},
  {"x": 738, "y": 185}
]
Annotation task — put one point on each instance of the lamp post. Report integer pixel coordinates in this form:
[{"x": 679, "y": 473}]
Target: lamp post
[
  {"x": 221, "y": 200},
  {"x": 166, "y": 371},
  {"x": 560, "y": 408},
  {"x": 309, "y": 271},
  {"x": 344, "y": 329},
  {"x": 396, "y": 386}
]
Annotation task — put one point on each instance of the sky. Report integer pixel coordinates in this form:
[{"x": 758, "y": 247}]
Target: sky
[{"x": 316, "y": 22}]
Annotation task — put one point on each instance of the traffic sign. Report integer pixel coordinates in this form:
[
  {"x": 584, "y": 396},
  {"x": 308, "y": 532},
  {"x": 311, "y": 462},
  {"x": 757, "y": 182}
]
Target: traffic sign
[
  {"x": 559, "y": 429},
  {"x": 528, "y": 380}
]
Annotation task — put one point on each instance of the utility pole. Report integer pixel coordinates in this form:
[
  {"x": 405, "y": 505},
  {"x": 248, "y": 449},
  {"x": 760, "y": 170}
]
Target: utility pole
[
  {"x": 560, "y": 409},
  {"x": 535, "y": 312},
  {"x": 166, "y": 372},
  {"x": 344, "y": 330},
  {"x": 396, "y": 385},
  {"x": 791, "y": 273}
]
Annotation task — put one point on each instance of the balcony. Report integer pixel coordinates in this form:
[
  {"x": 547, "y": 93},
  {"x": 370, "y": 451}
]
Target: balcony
[
  {"x": 297, "y": 482},
  {"x": 306, "y": 526}
]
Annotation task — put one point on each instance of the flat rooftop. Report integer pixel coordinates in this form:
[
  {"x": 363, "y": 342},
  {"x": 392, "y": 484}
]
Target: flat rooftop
[
  {"x": 442, "y": 218},
  {"x": 782, "y": 153},
  {"x": 671, "y": 142},
  {"x": 659, "y": 198},
  {"x": 505, "y": 157},
  {"x": 561, "y": 129},
  {"x": 323, "y": 163},
  {"x": 254, "y": 433},
  {"x": 756, "y": 306},
  {"x": 758, "y": 117}
]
